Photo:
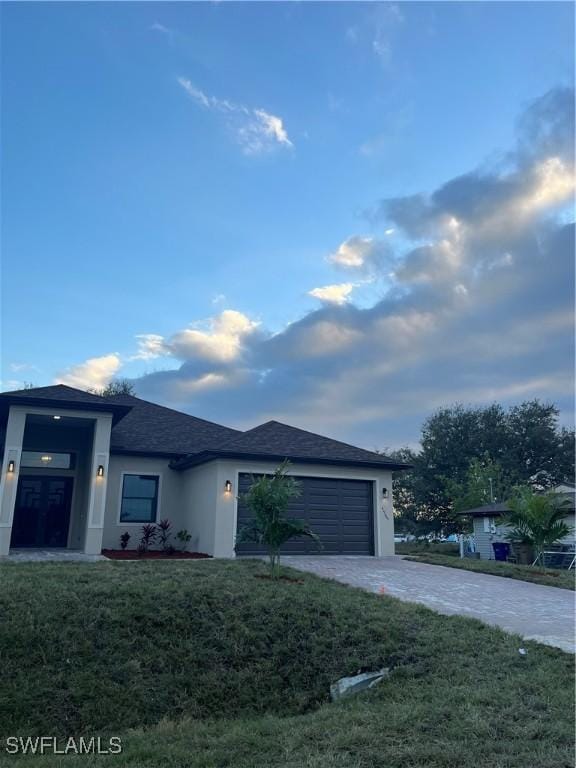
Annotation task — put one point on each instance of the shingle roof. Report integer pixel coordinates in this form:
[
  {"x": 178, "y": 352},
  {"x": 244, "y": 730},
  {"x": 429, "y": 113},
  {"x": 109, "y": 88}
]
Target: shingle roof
[
  {"x": 500, "y": 507},
  {"x": 486, "y": 510},
  {"x": 278, "y": 441},
  {"x": 61, "y": 396},
  {"x": 57, "y": 392},
  {"x": 151, "y": 428},
  {"x": 141, "y": 427}
]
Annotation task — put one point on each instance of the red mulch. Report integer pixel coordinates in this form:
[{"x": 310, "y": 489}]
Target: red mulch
[{"x": 132, "y": 554}]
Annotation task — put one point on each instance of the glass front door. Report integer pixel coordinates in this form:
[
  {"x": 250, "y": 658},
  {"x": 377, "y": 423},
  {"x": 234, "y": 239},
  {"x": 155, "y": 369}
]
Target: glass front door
[{"x": 42, "y": 513}]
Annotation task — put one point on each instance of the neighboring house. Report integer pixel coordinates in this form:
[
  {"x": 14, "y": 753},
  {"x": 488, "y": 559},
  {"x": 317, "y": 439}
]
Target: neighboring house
[
  {"x": 488, "y": 529},
  {"x": 78, "y": 470}
]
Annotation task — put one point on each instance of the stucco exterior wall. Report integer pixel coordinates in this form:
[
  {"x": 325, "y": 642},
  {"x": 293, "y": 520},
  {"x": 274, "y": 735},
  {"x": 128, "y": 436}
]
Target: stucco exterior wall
[
  {"x": 171, "y": 498},
  {"x": 207, "y": 498},
  {"x": 200, "y": 490}
]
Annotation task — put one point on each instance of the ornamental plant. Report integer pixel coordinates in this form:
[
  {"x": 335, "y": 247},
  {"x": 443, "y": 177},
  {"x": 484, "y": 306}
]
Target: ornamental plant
[
  {"x": 148, "y": 537},
  {"x": 164, "y": 534},
  {"x": 184, "y": 538},
  {"x": 536, "y": 519},
  {"x": 268, "y": 499},
  {"x": 124, "y": 539}
]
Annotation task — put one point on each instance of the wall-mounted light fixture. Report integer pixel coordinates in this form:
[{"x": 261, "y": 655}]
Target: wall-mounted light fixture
[
  {"x": 384, "y": 493},
  {"x": 57, "y": 418},
  {"x": 11, "y": 466},
  {"x": 45, "y": 459},
  {"x": 228, "y": 486},
  {"x": 100, "y": 471}
]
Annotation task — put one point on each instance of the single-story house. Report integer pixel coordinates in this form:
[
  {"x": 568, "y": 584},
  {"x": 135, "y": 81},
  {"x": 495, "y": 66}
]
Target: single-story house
[
  {"x": 79, "y": 470},
  {"x": 489, "y": 530}
]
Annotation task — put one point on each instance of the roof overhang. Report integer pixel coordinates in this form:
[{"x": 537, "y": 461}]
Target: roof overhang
[
  {"x": 117, "y": 451},
  {"x": 117, "y": 411},
  {"x": 206, "y": 456},
  {"x": 492, "y": 511}
]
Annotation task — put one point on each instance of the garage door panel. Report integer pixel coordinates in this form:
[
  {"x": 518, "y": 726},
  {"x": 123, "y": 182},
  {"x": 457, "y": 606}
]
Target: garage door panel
[{"x": 338, "y": 511}]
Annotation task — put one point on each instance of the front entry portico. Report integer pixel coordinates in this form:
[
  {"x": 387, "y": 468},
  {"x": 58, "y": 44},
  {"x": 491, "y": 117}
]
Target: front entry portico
[
  {"x": 54, "y": 476},
  {"x": 42, "y": 512}
]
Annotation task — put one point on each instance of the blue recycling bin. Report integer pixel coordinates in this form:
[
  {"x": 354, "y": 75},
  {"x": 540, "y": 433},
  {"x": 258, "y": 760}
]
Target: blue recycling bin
[{"x": 501, "y": 551}]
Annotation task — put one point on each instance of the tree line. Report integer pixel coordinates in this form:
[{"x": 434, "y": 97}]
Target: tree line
[{"x": 471, "y": 456}]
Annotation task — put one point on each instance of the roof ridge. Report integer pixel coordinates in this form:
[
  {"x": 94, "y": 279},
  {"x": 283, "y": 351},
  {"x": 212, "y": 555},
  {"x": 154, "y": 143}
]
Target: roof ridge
[
  {"x": 308, "y": 432},
  {"x": 31, "y": 391}
]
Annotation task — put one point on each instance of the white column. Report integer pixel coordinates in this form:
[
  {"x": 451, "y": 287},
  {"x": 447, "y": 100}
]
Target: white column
[
  {"x": 9, "y": 480},
  {"x": 97, "y": 485}
]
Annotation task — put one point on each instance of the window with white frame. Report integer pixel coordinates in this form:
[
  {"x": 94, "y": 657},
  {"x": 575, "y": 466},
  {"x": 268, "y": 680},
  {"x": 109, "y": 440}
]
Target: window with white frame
[
  {"x": 489, "y": 525},
  {"x": 139, "y": 502}
]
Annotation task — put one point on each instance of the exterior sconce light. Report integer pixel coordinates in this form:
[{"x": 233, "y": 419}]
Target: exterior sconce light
[
  {"x": 384, "y": 493},
  {"x": 100, "y": 471},
  {"x": 228, "y": 486},
  {"x": 11, "y": 466},
  {"x": 57, "y": 418},
  {"x": 45, "y": 459}
]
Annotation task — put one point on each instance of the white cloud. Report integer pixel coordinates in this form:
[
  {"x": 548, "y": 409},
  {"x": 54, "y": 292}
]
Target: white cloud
[
  {"x": 96, "y": 372},
  {"x": 157, "y": 27},
  {"x": 257, "y": 130},
  {"x": 333, "y": 294},
  {"x": 353, "y": 252},
  {"x": 150, "y": 346},
  {"x": 221, "y": 342}
]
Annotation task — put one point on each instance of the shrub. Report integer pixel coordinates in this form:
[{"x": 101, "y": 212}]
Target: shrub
[
  {"x": 164, "y": 533},
  {"x": 536, "y": 519},
  {"x": 148, "y": 537},
  {"x": 268, "y": 500},
  {"x": 184, "y": 538}
]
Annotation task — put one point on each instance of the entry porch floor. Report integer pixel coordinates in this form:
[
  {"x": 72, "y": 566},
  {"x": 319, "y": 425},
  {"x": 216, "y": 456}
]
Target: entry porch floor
[{"x": 50, "y": 556}]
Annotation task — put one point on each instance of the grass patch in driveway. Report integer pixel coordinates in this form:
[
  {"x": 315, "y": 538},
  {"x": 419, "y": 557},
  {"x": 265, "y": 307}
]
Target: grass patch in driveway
[
  {"x": 427, "y": 548},
  {"x": 201, "y": 664},
  {"x": 548, "y": 577}
]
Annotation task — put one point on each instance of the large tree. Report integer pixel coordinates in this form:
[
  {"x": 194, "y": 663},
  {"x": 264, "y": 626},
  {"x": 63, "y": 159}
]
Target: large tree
[{"x": 461, "y": 448}]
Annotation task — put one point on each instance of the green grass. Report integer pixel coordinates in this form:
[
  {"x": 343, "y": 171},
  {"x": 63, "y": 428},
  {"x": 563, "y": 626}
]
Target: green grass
[
  {"x": 201, "y": 664},
  {"x": 547, "y": 576},
  {"x": 420, "y": 547}
]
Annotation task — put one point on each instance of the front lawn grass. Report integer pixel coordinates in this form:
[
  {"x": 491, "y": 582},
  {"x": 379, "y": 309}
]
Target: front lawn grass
[
  {"x": 548, "y": 577},
  {"x": 201, "y": 664}
]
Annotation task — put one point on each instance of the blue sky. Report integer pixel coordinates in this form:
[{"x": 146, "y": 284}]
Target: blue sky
[{"x": 192, "y": 197}]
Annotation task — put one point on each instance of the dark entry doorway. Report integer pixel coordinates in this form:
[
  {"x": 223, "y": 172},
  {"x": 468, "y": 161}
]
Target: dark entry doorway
[{"x": 42, "y": 513}]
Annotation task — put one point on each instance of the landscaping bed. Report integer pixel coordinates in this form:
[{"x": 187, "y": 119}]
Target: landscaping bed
[
  {"x": 204, "y": 665},
  {"x": 134, "y": 554},
  {"x": 548, "y": 577}
]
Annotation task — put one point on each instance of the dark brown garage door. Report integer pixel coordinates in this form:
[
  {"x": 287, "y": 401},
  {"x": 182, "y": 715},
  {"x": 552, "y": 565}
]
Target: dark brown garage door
[{"x": 339, "y": 511}]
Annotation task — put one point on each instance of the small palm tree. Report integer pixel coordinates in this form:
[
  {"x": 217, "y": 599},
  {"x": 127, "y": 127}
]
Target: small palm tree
[
  {"x": 268, "y": 499},
  {"x": 536, "y": 519}
]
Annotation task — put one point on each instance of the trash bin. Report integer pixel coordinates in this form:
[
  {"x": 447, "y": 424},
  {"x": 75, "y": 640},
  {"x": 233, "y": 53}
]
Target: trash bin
[{"x": 501, "y": 551}]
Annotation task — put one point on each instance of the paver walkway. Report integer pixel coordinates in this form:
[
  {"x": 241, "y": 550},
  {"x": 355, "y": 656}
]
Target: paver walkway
[{"x": 544, "y": 614}]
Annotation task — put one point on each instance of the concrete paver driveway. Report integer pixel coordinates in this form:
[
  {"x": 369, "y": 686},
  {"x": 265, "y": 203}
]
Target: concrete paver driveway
[{"x": 544, "y": 614}]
